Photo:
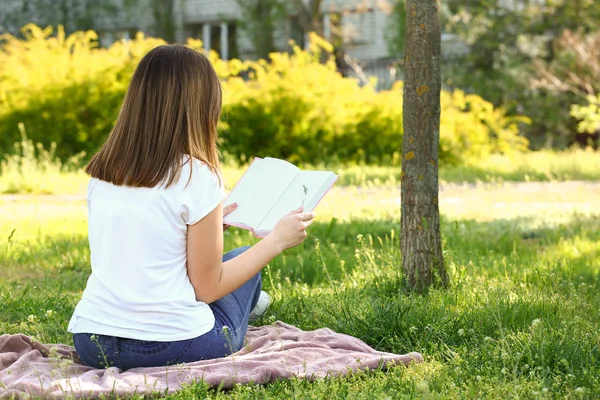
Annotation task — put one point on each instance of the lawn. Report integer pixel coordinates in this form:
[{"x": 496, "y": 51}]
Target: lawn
[
  {"x": 23, "y": 173},
  {"x": 519, "y": 320}
]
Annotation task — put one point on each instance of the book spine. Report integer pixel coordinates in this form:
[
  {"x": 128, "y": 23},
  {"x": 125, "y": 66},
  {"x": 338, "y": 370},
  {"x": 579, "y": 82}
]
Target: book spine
[
  {"x": 271, "y": 209},
  {"x": 242, "y": 177}
]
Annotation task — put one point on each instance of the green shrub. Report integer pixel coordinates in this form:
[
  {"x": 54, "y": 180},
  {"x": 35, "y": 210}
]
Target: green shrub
[
  {"x": 295, "y": 106},
  {"x": 588, "y": 115},
  {"x": 64, "y": 89},
  {"x": 34, "y": 169}
]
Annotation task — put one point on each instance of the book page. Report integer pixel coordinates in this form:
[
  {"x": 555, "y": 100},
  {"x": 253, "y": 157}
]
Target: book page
[
  {"x": 258, "y": 190},
  {"x": 325, "y": 178},
  {"x": 316, "y": 183}
]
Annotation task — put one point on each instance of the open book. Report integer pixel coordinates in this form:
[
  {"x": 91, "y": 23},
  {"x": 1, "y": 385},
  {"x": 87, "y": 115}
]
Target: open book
[{"x": 270, "y": 189}]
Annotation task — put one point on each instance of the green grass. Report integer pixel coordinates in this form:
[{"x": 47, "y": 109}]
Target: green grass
[
  {"x": 34, "y": 170},
  {"x": 520, "y": 319},
  {"x": 544, "y": 166}
]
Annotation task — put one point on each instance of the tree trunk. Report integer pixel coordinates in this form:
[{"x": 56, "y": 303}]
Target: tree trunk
[
  {"x": 420, "y": 241},
  {"x": 260, "y": 22},
  {"x": 309, "y": 15},
  {"x": 164, "y": 18}
]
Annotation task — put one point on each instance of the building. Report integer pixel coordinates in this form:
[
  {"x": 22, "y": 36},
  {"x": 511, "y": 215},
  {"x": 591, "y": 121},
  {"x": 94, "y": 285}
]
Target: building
[
  {"x": 359, "y": 25},
  {"x": 216, "y": 23}
]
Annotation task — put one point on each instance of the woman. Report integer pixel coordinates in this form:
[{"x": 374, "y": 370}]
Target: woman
[{"x": 160, "y": 291}]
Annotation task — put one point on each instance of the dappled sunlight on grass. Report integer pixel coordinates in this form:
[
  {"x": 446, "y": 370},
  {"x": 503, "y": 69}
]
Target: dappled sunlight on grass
[
  {"x": 544, "y": 202},
  {"x": 64, "y": 183},
  {"x": 545, "y": 165},
  {"x": 36, "y": 218}
]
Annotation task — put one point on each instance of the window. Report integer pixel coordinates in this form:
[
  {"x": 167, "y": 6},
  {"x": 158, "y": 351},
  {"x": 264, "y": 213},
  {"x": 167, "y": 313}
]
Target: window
[
  {"x": 218, "y": 36},
  {"x": 223, "y": 36}
]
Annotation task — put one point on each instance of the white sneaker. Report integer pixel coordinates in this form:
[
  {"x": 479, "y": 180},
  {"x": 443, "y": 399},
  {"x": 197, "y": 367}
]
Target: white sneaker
[{"x": 261, "y": 307}]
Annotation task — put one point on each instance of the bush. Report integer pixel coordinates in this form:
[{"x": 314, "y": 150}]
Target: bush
[
  {"x": 64, "y": 89},
  {"x": 588, "y": 115},
  {"x": 296, "y": 106},
  {"x": 34, "y": 169},
  {"x": 536, "y": 59},
  {"x": 299, "y": 109}
]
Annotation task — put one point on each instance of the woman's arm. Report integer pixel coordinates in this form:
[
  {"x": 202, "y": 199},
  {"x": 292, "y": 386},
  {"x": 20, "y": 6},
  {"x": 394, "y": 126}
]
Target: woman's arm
[{"x": 212, "y": 278}]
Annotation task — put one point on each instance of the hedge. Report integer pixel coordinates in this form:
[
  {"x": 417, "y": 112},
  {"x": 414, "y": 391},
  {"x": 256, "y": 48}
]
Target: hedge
[{"x": 296, "y": 106}]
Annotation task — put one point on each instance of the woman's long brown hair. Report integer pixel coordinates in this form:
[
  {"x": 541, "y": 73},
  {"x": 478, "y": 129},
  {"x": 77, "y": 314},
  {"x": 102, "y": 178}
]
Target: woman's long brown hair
[{"x": 171, "y": 110}]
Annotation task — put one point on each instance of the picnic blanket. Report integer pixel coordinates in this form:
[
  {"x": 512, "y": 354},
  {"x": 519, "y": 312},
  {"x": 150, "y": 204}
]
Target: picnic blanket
[{"x": 272, "y": 352}]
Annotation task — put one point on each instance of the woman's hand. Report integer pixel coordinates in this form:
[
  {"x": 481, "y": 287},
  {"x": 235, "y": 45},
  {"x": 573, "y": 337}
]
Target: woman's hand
[
  {"x": 228, "y": 210},
  {"x": 290, "y": 231}
]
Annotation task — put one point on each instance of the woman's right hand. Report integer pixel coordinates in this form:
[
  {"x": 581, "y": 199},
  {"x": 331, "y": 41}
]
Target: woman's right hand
[{"x": 290, "y": 231}]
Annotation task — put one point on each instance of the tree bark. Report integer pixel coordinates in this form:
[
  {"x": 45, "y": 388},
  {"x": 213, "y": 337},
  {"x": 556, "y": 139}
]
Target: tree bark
[{"x": 420, "y": 239}]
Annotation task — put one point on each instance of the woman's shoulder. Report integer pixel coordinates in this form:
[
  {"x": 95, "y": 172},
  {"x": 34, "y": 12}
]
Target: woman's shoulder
[
  {"x": 198, "y": 167},
  {"x": 198, "y": 173},
  {"x": 201, "y": 191},
  {"x": 92, "y": 184}
]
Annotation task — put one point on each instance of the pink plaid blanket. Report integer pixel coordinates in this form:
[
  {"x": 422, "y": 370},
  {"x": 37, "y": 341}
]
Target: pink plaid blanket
[{"x": 273, "y": 352}]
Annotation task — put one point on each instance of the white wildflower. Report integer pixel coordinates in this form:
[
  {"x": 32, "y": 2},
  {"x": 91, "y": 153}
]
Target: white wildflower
[{"x": 422, "y": 386}]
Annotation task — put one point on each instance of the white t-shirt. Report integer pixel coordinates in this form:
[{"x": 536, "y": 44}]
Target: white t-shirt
[{"x": 139, "y": 287}]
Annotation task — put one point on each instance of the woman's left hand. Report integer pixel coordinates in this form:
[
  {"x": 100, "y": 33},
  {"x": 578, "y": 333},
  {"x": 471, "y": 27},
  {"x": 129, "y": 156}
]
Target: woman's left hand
[{"x": 228, "y": 210}]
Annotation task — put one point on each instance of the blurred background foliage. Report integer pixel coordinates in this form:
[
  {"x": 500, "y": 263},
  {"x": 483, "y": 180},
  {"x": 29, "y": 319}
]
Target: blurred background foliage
[
  {"x": 529, "y": 76},
  {"x": 534, "y": 58},
  {"x": 295, "y": 106}
]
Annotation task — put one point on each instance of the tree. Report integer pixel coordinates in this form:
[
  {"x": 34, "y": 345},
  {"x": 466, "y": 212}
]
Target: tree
[
  {"x": 575, "y": 71},
  {"x": 575, "y": 67},
  {"x": 396, "y": 26},
  {"x": 420, "y": 238},
  {"x": 311, "y": 18},
  {"x": 396, "y": 29},
  {"x": 74, "y": 15},
  {"x": 163, "y": 12},
  {"x": 508, "y": 39},
  {"x": 82, "y": 15},
  {"x": 260, "y": 21},
  {"x": 309, "y": 15}
]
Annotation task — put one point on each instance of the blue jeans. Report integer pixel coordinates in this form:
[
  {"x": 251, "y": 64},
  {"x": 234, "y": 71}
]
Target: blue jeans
[{"x": 232, "y": 311}]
